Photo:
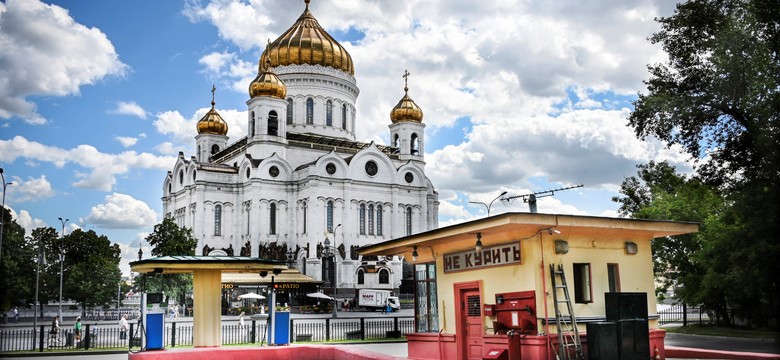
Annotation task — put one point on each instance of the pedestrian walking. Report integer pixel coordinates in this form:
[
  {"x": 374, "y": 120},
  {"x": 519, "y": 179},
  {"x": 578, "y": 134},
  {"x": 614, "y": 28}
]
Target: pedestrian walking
[
  {"x": 77, "y": 329},
  {"x": 55, "y": 330},
  {"x": 242, "y": 326},
  {"x": 16, "y": 314},
  {"x": 123, "y": 327}
]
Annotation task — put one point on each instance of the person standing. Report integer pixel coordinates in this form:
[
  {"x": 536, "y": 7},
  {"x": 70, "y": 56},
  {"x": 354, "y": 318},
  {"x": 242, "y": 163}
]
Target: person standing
[
  {"x": 123, "y": 327},
  {"x": 16, "y": 314},
  {"x": 55, "y": 329},
  {"x": 77, "y": 329},
  {"x": 242, "y": 326}
]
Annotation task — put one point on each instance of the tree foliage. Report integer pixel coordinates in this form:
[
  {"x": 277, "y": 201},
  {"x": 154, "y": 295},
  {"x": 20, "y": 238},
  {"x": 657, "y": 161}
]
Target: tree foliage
[
  {"x": 16, "y": 264},
  {"x": 168, "y": 239},
  {"x": 718, "y": 98},
  {"x": 91, "y": 268}
]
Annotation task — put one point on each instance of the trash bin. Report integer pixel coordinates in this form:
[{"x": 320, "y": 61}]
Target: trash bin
[{"x": 69, "y": 338}]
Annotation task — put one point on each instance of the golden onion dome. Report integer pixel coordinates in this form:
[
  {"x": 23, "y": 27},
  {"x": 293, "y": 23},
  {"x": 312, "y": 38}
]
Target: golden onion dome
[
  {"x": 306, "y": 42},
  {"x": 212, "y": 122},
  {"x": 267, "y": 84},
  {"x": 406, "y": 110}
]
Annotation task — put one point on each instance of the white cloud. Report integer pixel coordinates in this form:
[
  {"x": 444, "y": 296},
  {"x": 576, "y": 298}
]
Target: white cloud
[
  {"x": 45, "y": 52},
  {"x": 122, "y": 211},
  {"x": 126, "y": 141},
  {"x": 26, "y": 221},
  {"x": 103, "y": 168},
  {"x": 30, "y": 190},
  {"x": 128, "y": 108},
  {"x": 183, "y": 130}
]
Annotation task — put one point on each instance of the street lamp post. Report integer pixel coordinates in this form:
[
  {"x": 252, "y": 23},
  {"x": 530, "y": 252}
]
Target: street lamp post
[
  {"x": 2, "y": 214},
  {"x": 62, "y": 260},
  {"x": 41, "y": 261},
  {"x": 488, "y": 206},
  {"x": 328, "y": 252}
]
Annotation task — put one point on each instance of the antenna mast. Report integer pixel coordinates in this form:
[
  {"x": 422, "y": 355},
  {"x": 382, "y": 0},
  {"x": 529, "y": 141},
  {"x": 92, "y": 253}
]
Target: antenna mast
[{"x": 531, "y": 198}]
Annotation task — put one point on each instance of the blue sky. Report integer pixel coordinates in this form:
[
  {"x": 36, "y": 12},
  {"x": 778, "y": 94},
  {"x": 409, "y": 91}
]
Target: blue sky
[{"x": 98, "y": 97}]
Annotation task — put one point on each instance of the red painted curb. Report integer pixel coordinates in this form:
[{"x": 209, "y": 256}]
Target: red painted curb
[{"x": 693, "y": 353}]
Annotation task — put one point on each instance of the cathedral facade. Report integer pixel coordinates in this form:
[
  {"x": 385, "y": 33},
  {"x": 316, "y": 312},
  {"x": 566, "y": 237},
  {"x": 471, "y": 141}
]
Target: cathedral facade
[{"x": 299, "y": 187}]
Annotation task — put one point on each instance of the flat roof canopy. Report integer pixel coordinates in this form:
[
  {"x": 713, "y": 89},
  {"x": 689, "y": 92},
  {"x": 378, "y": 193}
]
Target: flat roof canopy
[
  {"x": 518, "y": 226},
  {"x": 287, "y": 276},
  {"x": 188, "y": 264}
]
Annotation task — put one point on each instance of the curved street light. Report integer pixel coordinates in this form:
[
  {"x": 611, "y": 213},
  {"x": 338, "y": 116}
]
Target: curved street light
[
  {"x": 488, "y": 206},
  {"x": 2, "y": 214},
  {"x": 62, "y": 260}
]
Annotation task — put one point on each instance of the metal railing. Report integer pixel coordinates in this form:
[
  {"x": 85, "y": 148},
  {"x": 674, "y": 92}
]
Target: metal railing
[
  {"x": 108, "y": 336},
  {"x": 683, "y": 314}
]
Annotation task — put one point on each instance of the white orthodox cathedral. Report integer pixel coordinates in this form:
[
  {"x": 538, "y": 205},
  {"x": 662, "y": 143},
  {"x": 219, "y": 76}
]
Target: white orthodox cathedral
[{"x": 299, "y": 176}]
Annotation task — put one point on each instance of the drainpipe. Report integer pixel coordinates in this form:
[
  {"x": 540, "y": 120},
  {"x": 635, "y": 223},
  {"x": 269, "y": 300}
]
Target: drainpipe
[{"x": 544, "y": 284}]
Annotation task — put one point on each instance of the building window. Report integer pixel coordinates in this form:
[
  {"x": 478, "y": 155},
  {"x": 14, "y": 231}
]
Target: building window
[
  {"x": 370, "y": 219},
  {"x": 272, "y": 219},
  {"x": 273, "y": 123},
  {"x": 582, "y": 286},
  {"x": 252, "y": 124},
  {"x": 289, "y": 111},
  {"x": 181, "y": 177},
  {"x": 415, "y": 144},
  {"x": 344, "y": 116},
  {"x": 395, "y": 141},
  {"x": 214, "y": 149},
  {"x": 329, "y": 113},
  {"x": 309, "y": 111},
  {"x": 409, "y": 221},
  {"x": 218, "y": 220},
  {"x": 362, "y": 226},
  {"x": 384, "y": 276},
  {"x": 329, "y": 217},
  {"x": 613, "y": 274},
  {"x": 379, "y": 220},
  {"x": 305, "y": 211},
  {"x": 361, "y": 277},
  {"x": 426, "y": 312}
]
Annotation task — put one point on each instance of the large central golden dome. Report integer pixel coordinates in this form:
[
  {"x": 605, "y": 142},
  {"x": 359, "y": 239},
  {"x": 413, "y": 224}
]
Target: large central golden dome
[{"x": 306, "y": 42}]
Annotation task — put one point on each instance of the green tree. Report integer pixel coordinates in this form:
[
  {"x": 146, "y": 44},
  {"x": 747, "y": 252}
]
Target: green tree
[
  {"x": 168, "y": 239},
  {"x": 91, "y": 268},
  {"x": 17, "y": 271},
  {"x": 718, "y": 97}
]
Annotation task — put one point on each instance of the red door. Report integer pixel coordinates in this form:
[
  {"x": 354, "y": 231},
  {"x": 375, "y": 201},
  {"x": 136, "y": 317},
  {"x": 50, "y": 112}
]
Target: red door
[{"x": 472, "y": 317}]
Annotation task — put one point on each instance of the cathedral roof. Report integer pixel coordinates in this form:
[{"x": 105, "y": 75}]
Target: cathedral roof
[
  {"x": 212, "y": 122},
  {"x": 306, "y": 42},
  {"x": 406, "y": 110}
]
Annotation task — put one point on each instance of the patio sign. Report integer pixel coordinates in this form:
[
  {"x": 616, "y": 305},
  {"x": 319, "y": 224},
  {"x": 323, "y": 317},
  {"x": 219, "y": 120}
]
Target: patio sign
[{"x": 503, "y": 254}]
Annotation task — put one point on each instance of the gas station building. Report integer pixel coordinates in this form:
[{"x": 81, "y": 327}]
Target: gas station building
[{"x": 511, "y": 283}]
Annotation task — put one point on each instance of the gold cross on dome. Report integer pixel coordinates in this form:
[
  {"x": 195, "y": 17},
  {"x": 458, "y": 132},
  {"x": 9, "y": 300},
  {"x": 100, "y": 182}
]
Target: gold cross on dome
[
  {"x": 406, "y": 78},
  {"x": 213, "y": 90}
]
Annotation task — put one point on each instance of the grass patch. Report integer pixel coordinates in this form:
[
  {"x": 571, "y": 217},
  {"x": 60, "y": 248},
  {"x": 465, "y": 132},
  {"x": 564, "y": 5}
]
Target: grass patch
[{"x": 714, "y": 330}]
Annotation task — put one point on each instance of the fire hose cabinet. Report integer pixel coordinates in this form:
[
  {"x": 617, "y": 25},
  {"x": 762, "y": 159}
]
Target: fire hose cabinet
[
  {"x": 489, "y": 309},
  {"x": 516, "y": 311},
  {"x": 496, "y": 354}
]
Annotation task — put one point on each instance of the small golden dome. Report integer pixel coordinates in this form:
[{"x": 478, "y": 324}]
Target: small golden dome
[
  {"x": 406, "y": 110},
  {"x": 212, "y": 122},
  {"x": 306, "y": 42},
  {"x": 267, "y": 84}
]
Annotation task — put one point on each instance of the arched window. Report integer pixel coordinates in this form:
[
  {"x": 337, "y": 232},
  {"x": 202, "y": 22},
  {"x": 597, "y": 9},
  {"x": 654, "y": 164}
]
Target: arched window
[
  {"x": 415, "y": 145},
  {"x": 329, "y": 218},
  {"x": 194, "y": 175},
  {"x": 409, "y": 221},
  {"x": 370, "y": 219},
  {"x": 289, "y": 111},
  {"x": 384, "y": 276},
  {"x": 181, "y": 177},
  {"x": 379, "y": 220},
  {"x": 305, "y": 210},
  {"x": 273, "y": 123},
  {"x": 395, "y": 140},
  {"x": 218, "y": 220},
  {"x": 329, "y": 113},
  {"x": 362, "y": 219},
  {"x": 361, "y": 277},
  {"x": 252, "y": 124},
  {"x": 309, "y": 111},
  {"x": 344, "y": 116},
  {"x": 214, "y": 149},
  {"x": 272, "y": 219}
]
